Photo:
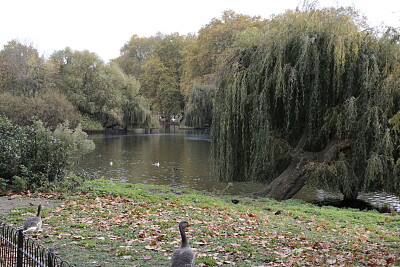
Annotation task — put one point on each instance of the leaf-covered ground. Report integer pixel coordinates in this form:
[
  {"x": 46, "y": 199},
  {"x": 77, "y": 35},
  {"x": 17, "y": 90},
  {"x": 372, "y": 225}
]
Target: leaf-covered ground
[{"x": 119, "y": 224}]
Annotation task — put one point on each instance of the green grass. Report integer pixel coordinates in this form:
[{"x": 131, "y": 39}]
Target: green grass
[{"x": 119, "y": 224}]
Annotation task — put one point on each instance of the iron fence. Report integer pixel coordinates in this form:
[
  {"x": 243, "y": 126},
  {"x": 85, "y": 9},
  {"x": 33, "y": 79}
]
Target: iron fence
[{"x": 17, "y": 249}]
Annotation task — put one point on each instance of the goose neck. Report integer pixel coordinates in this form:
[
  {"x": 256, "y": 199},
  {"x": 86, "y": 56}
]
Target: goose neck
[{"x": 184, "y": 238}]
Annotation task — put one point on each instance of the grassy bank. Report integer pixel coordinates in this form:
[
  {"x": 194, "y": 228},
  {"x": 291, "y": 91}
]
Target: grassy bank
[{"x": 119, "y": 224}]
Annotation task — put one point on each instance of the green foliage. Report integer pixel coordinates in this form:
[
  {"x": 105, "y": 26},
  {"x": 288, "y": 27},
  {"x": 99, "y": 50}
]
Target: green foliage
[
  {"x": 68, "y": 85},
  {"x": 3, "y": 185},
  {"x": 395, "y": 122},
  {"x": 49, "y": 106},
  {"x": 23, "y": 72},
  {"x": 82, "y": 78},
  {"x": 190, "y": 63},
  {"x": 218, "y": 36},
  {"x": 19, "y": 184},
  {"x": 12, "y": 143},
  {"x": 168, "y": 66},
  {"x": 27, "y": 88},
  {"x": 33, "y": 156},
  {"x": 90, "y": 124},
  {"x": 198, "y": 111},
  {"x": 100, "y": 92},
  {"x": 315, "y": 73},
  {"x": 75, "y": 140},
  {"x": 134, "y": 54},
  {"x": 161, "y": 73}
]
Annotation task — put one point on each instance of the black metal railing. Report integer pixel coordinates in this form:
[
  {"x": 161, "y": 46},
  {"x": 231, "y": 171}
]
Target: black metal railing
[{"x": 17, "y": 249}]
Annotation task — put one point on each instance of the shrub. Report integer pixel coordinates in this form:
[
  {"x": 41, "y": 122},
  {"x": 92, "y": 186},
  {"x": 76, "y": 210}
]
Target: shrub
[
  {"x": 50, "y": 107},
  {"x": 18, "y": 184},
  {"x": 34, "y": 156}
]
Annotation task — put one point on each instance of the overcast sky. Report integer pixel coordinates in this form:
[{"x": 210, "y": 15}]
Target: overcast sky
[{"x": 103, "y": 27}]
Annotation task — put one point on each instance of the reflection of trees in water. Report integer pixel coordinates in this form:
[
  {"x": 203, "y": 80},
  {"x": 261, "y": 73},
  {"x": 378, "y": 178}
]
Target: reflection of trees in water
[{"x": 188, "y": 151}]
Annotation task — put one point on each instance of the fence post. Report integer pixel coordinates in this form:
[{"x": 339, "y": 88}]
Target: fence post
[
  {"x": 20, "y": 247},
  {"x": 50, "y": 259}
]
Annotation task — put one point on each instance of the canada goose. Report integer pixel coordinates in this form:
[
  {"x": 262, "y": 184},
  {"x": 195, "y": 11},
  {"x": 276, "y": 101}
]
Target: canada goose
[
  {"x": 279, "y": 212},
  {"x": 235, "y": 201},
  {"x": 34, "y": 224},
  {"x": 184, "y": 256}
]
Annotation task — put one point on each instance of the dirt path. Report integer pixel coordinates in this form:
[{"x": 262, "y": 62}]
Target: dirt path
[{"x": 8, "y": 204}]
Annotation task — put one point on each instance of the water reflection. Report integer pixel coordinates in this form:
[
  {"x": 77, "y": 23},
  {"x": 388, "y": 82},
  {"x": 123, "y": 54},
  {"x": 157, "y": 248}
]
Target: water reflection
[
  {"x": 183, "y": 158},
  {"x": 378, "y": 200}
]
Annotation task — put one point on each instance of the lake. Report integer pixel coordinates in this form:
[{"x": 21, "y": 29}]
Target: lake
[{"x": 177, "y": 157}]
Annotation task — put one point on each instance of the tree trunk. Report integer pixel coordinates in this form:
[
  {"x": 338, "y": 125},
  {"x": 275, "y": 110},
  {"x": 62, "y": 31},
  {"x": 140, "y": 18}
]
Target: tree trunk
[
  {"x": 350, "y": 196},
  {"x": 293, "y": 178}
]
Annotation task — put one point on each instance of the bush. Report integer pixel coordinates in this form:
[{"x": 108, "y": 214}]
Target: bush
[
  {"x": 33, "y": 156},
  {"x": 50, "y": 107},
  {"x": 18, "y": 184},
  {"x": 12, "y": 142}
]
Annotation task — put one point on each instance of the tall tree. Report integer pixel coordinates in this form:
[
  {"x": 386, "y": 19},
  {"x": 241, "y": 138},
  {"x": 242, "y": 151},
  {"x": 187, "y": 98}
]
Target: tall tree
[
  {"x": 102, "y": 92},
  {"x": 23, "y": 71},
  {"x": 161, "y": 74},
  {"x": 308, "y": 99},
  {"x": 190, "y": 71},
  {"x": 218, "y": 35},
  {"x": 79, "y": 77},
  {"x": 199, "y": 109},
  {"x": 134, "y": 54},
  {"x": 202, "y": 55}
]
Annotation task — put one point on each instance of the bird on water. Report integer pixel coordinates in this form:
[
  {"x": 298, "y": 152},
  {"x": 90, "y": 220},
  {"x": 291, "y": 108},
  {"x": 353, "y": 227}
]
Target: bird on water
[
  {"x": 184, "y": 256},
  {"x": 34, "y": 224}
]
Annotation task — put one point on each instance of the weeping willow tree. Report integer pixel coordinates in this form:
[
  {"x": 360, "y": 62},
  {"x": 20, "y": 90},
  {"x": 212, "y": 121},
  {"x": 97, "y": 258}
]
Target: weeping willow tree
[
  {"x": 136, "y": 110},
  {"x": 198, "y": 112},
  {"x": 308, "y": 99},
  {"x": 137, "y": 113}
]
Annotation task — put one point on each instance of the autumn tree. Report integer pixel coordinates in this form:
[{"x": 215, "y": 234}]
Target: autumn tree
[
  {"x": 161, "y": 74},
  {"x": 218, "y": 35},
  {"x": 190, "y": 66},
  {"x": 134, "y": 107},
  {"x": 99, "y": 91},
  {"x": 26, "y": 88},
  {"x": 308, "y": 99},
  {"x": 134, "y": 53},
  {"x": 202, "y": 55},
  {"x": 23, "y": 71},
  {"x": 48, "y": 106},
  {"x": 79, "y": 76}
]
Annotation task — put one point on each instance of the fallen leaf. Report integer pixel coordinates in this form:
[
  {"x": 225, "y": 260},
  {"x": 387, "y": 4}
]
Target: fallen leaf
[
  {"x": 147, "y": 257},
  {"x": 331, "y": 261},
  {"x": 126, "y": 257}
]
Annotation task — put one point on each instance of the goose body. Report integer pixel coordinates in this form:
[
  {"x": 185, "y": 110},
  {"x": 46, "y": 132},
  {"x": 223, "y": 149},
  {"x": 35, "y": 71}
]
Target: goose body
[
  {"x": 184, "y": 256},
  {"x": 33, "y": 224}
]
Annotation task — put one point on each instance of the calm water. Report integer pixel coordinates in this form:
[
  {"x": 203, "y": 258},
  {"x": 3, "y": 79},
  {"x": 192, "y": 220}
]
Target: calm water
[{"x": 183, "y": 158}]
